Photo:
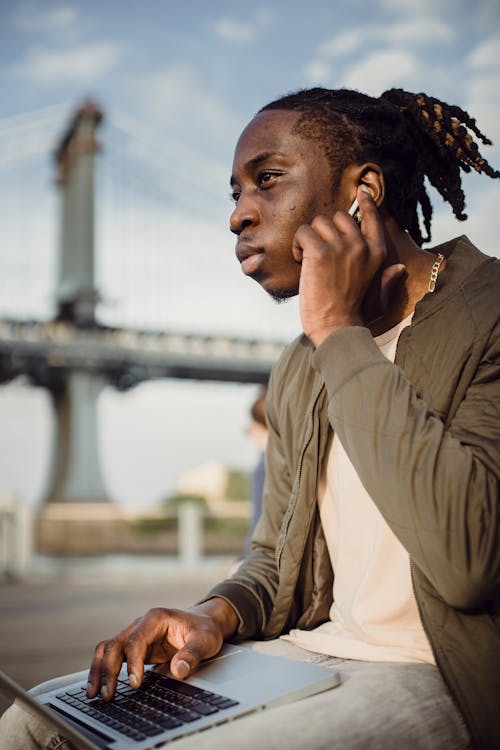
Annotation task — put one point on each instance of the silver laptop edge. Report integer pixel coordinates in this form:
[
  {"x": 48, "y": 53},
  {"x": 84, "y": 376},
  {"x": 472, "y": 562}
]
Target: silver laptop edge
[
  {"x": 220, "y": 675},
  {"x": 32, "y": 705}
]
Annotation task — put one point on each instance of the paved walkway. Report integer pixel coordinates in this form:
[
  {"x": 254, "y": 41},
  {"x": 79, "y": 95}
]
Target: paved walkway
[{"x": 51, "y": 621}]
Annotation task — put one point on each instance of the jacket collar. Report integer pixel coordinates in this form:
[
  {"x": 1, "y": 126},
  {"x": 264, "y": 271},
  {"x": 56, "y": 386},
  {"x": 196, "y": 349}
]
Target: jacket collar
[{"x": 462, "y": 259}]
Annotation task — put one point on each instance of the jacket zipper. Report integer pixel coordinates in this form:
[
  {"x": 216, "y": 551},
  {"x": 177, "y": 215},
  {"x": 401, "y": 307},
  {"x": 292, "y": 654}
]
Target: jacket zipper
[{"x": 298, "y": 475}]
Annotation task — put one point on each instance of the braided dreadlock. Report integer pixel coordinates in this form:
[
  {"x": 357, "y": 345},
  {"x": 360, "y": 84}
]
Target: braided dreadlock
[{"x": 411, "y": 136}]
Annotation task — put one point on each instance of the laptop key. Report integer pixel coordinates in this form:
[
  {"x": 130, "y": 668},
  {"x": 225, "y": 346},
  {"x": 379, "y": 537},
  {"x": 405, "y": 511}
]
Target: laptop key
[
  {"x": 224, "y": 702},
  {"x": 76, "y": 691},
  {"x": 136, "y": 735},
  {"x": 205, "y": 695},
  {"x": 94, "y": 712},
  {"x": 184, "y": 700},
  {"x": 151, "y": 730},
  {"x": 106, "y": 719},
  {"x": 187, "y": 716},
  {"x": 169, "y": 722},
  {"x": 124, "y": 690},
  {"x": 203, "y": 708}
]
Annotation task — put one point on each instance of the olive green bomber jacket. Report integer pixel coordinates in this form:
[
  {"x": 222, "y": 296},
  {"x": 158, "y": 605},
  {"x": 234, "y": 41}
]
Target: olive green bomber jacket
[{"x": 424, "y": 436}]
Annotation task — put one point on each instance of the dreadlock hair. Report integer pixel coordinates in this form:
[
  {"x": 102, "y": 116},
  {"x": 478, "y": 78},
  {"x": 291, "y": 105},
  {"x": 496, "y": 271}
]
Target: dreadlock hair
[{"x": 411, "y": 136}]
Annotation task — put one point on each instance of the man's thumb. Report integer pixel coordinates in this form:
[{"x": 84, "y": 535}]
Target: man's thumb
[
  {"x": 180, "y": 667},
  {"x": 189, "y": 656}
]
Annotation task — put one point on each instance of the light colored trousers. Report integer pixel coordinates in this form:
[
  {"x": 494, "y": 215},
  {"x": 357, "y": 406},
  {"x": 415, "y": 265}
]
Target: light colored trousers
[{"x": 378, "y": 706}]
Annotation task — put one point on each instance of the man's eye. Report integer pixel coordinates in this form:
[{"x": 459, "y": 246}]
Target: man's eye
[
  {"x": 234, "y": 196},
  {"x": 265, "y": 177}
]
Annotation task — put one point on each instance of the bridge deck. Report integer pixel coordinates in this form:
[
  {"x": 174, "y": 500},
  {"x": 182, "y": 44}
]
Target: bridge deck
[{"x": 128, "y": 357}]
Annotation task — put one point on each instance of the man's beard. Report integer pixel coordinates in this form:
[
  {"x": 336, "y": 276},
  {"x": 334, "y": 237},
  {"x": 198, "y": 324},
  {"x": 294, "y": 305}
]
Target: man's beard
[{"x": 282, "y": 295}]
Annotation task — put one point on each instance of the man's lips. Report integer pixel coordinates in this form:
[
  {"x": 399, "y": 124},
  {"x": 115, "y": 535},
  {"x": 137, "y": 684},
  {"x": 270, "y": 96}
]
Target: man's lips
[{"x": 249, "y": 257}]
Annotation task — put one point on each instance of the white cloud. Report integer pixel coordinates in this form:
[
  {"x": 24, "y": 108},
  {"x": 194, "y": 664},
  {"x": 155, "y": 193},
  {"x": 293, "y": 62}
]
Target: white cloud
[
  {"x": 417, "y": 7},
  {"x": 31, "y": 17},
  {"x": 389, "y": 44},
  {"x": 382, "y": 70},
  {"x": 243, "y": 32},
  {"x": 421, "y": 31},
  {"x": 234, "y": 31},
  {"x": 414, "y": 32},
  {"x": 486, "y": 54},
  {"x": 342, "y": 44},
  {"x": 317, "y": 72},
  {"x": 82, "y": 62}
]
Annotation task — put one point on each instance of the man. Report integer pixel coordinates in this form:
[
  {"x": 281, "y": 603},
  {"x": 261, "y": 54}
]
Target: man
[{"x": 383, "y": 472}]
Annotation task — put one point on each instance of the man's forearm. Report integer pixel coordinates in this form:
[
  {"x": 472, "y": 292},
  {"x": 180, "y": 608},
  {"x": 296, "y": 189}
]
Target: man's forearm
[{"x": 425, "y": 479}]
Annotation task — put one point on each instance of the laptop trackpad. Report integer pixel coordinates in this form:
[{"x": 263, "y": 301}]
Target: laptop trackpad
[{"x": 231, "y": 663}]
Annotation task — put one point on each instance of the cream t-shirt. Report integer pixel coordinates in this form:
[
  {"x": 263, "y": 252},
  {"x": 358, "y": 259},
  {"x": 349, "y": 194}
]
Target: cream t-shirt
[{"x": 374, "y": 615}]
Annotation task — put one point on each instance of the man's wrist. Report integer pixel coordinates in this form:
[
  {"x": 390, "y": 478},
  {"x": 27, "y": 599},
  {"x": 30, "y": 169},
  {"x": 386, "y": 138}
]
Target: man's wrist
[
  {"x": 321, "y": 334},
  {"x": 221, "y": 612}
]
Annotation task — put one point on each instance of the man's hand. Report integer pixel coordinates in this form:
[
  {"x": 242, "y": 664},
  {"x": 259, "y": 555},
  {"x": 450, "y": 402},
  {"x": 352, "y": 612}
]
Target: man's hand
[
  {"x": 341, "y": 262},
  {"x": 183, "y": 638}
]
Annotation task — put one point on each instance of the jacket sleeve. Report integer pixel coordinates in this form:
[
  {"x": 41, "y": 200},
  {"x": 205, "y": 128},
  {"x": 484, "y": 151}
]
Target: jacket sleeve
[
  {"x": 252, "y": 589},
  {"x": 437, "y": 487}
]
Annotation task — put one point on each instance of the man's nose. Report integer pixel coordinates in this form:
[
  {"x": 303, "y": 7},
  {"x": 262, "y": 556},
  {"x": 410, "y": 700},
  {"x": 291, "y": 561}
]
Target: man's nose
[{"x": 245, "y": 214}]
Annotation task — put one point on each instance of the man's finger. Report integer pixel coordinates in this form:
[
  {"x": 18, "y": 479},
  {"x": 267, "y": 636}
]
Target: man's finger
[
  {"x": 135, "y": 650},
  {"x": 94, "y": 677},
  {"x": 146, "y": 644},
  {"x": 112, "y": 661},
  {"x": 371, "y": 224}
]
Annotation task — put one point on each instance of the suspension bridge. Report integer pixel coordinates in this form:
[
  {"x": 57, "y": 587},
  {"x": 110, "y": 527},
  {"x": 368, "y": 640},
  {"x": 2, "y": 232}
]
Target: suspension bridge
[{"x": 58, "y": 328}]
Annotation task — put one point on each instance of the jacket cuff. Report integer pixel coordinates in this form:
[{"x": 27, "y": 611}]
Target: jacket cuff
[
  {"x": 245, "y": 603},
  {"x": 344, "y": 354}
]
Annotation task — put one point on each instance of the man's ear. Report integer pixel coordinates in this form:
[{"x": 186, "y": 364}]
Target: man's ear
[
  {"x": 372, "y": 176},
  {"x": 369, "y": 174}
]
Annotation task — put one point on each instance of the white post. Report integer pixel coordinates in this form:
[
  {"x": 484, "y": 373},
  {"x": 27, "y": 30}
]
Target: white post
[
  {"x": 5, "y": 522},
  {"x": 190, "y": 533},
  {"x": 16, "y": 537},
  {"x": 24, "y": 539}
]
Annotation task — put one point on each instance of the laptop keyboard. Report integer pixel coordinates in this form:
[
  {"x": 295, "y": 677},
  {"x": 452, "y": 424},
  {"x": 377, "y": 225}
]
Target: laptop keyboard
[{"x": 160, "y": 703}]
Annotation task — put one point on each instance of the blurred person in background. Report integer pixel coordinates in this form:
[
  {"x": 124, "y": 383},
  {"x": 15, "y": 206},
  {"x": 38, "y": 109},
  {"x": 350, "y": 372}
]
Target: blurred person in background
[{"x": 257, "y": 431}]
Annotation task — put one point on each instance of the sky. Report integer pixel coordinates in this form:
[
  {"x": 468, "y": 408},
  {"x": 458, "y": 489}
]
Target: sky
[{"x": 177, "y": 83}]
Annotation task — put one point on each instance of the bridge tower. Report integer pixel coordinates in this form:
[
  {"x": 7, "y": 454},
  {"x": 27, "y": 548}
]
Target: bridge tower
[
  {"x": 76, "y": 470},
  {"x": 76, "y": 294}
]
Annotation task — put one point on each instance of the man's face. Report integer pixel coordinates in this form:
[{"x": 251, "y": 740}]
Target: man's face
[{"x": 279, "y": 182}]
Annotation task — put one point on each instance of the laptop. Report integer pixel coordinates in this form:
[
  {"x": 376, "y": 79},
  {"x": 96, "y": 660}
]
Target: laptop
[{"x": 236, "y": 682}]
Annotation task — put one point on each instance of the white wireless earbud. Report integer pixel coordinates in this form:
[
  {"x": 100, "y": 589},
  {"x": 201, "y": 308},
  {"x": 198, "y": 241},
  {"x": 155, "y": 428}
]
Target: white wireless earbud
[
  {"x": 354, "y": 211},
  {"x": 354, "y": 207}
]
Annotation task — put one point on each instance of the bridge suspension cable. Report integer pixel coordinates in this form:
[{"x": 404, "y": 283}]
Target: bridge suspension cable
[
  {"x": 31, "y": 135},
  {"x": 160, "y": 209}
]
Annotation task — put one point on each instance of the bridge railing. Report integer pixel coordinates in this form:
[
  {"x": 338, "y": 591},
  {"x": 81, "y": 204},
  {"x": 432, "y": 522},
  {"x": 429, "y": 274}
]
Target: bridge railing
[{"x": 135, "y": 355}]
